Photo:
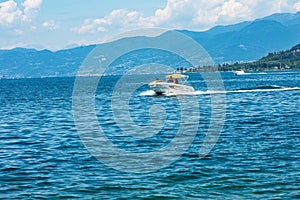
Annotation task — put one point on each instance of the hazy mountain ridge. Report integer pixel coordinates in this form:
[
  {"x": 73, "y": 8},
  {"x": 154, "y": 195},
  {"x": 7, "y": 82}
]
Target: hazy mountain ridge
[
  {"x": 246, "y": 41},
  {"x": 21, "y": 62},
  {"x": 250, "y": 40}
]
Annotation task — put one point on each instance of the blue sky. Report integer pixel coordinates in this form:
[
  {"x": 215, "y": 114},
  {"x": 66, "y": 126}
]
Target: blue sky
[{"x": 57, "y": 24}]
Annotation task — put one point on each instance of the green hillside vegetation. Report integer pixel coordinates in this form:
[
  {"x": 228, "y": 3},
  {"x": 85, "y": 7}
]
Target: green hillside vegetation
[{"x": 289, "y": 59}]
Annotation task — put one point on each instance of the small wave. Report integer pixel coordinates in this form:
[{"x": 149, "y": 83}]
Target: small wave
[
  {"x": 209, "y": 92},
  {"x": 266, "y": 89},
  {"x": 270, "y": 88},
  {"x": 256, "y": 73},
  {"x": 148, "y": 93},
  {"x": 245, "y": 90},
  {"x": 243, "y": 74}
]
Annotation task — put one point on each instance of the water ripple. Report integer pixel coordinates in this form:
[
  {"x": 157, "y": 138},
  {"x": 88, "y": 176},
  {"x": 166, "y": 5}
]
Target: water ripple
[{"x": 256, "y": 157}]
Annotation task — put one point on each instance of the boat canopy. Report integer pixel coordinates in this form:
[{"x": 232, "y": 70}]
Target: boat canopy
[{"x": 176, "y": 76}]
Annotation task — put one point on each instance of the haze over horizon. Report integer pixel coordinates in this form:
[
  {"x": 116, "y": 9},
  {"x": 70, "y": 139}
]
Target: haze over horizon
[{"x": 61, "y": 24}]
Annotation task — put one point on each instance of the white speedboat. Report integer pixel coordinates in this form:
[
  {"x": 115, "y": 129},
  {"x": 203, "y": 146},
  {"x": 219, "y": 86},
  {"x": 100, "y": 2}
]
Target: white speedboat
[
  {"x": 175, "y": 84},
  {"x": 240, "y": 72}
]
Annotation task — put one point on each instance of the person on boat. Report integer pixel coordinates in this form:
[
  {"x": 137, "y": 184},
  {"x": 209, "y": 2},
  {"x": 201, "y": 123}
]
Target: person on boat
[
  {"x": 170, "y": 80},
  {"x": 158, "y": 80},
  {"x": 176, "y": 80}
]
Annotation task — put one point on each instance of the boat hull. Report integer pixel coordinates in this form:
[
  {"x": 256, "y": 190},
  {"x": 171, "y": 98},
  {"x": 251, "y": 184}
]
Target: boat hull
[
  {"x": 164, "y": 88},
  {"x": 241, "y": 72}
]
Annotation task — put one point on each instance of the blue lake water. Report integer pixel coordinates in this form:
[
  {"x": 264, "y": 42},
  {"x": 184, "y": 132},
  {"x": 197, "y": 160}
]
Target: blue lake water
[{"x": 257, "y": 155}]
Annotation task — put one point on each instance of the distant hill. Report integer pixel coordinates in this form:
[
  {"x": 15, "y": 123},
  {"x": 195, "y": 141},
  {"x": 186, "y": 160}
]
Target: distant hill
[
  {"x": 249, "y": 41},
  {"x": 289, "y": 59},
  {"x": 242, "y": 42},
  {"x": 20, "y": 62}
]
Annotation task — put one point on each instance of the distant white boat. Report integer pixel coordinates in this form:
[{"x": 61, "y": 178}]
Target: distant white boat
[
  {"x": 175, "y": 85},
  {"x": 239, "y": 72}
]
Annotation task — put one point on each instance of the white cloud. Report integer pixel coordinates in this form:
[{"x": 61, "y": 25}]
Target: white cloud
[
  {"x": 50, "y": 25},
  {"x": 176, "y": 12},
  {"x": 233, "y": 11},
  {"x": 10, "y": 13},
  {"x": 189, "y": 14},
  {"x": 31, "y": 8},
  {"x": 18, "y": 32},
  {"x": 32, "y": 5},
  {"x": 120, "y": 19},
  {"x": 89, "y": 26},
  {"x": 261, "y": 8},
  {"x": 297, "y": 6},
  {"x": 202, "y": 14}
]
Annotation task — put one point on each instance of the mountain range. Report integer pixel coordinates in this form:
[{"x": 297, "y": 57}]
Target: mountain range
[
  {"x": 250, "y": 41},
  {"x": 242, "y": 42}
]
